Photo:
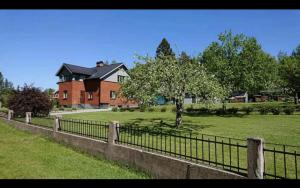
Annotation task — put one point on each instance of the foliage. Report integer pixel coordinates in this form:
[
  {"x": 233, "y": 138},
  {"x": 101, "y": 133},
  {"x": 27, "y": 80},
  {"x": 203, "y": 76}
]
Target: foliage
[
  {"x": 164, "y": 49},
  {"x": 289, "y": 110},
  {"x": 172, "y": 78},
  {"x": 114, "y": 109},
  {"x": 6, "y": 88},
  {"x": 247, "y": 109},
  {"x": 150, "y": 109},
  {"x": 240, "y": 64},
  {"x": 5, "y": 110},
  {"x": 29, "y": 99},
  {"x": 290, "y": 73},
  {"x": 275, "y": 110},
  {"x": 232, "y": 110},
  {"x": 163, "y": 109}
]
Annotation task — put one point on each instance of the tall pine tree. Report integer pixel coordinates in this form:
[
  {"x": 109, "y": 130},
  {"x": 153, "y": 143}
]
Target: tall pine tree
[{"x": 164, "y": 49}]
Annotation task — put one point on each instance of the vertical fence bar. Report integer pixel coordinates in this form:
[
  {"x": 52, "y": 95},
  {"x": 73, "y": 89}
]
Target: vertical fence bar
[
  {"x": 160, "y": 140},
  {"x": 274, "y": 162},
  {"x": 180, "y": 144},
  {"x": 208, "y": 151},
  {"x": 202, "y": 148},
  {"x": 170, "y": 144},
  {"x": 165, "y": 143},
  {"x": 216, "y": 160},
  {"x": 238, "y": 157},
  {"x": 229, "y": 153},
  {"x": 175, "y": 144},
  {"x": 191, "y": 151},
  {"x": 284, "y": 159},
  {"x": 222, "y": 153},
  {"x": 196, "y": 149},
  {"x": 185, "y": 147},
  {"x": 296, "y": 165}
]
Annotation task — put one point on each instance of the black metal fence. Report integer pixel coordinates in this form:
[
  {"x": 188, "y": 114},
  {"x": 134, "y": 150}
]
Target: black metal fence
[
  {"x": 92, "y": 129},
  {"x": 281, "y": 161},
  {"x": 227, "y": 153}
]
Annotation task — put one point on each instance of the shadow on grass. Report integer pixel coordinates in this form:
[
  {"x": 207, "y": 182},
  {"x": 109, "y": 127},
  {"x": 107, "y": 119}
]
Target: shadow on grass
[
  {"x": 213, "y": 115},
  {"x": 161, "y": 125}
]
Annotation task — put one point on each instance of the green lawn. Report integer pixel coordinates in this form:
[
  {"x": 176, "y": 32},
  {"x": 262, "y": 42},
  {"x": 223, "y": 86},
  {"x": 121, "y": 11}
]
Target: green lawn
[
  {"x": 23, "y": 155},
  {"x": 281, "y": 129}
]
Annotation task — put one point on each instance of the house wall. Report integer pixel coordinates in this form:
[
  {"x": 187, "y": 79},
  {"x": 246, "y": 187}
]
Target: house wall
[
  {"x": 73, "y": 87},
  {"x": 92, "y": 86},
  {"x": 114, "y": 77}
]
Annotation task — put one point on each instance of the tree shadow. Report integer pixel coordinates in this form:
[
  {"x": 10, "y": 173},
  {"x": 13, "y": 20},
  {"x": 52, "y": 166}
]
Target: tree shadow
[{"x": 212, "y": 115}]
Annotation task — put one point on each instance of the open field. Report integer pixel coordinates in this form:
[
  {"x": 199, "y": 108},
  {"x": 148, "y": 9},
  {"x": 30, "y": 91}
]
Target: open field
[
  {"x": 281, "y": 129},
  {"x": 23, "y": 155}
]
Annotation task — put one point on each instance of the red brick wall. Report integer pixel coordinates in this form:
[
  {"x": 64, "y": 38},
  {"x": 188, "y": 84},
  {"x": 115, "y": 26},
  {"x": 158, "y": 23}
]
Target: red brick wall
[
  {"x": 73, "y": 87},
  {"x": 92, "y": 86},
  {"x": 105, "y": 88}
]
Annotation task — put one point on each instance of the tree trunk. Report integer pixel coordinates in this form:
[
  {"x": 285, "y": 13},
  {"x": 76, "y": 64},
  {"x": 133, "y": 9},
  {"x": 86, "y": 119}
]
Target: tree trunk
[
  {"x": 179, "y": 110},
  {"x": 296, "y": 98}
]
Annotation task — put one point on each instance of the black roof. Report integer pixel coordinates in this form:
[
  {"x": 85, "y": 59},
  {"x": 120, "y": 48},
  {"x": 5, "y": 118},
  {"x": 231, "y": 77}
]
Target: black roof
[{"x": 94, "y": 72}]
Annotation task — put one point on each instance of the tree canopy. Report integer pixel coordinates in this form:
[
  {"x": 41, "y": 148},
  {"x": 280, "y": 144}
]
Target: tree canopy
[
  {"x": 240, "y": 64},
  {"x": 164, "y": 49}
]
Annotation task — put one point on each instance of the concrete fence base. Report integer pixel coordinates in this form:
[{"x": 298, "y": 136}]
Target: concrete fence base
[{"x": 160, "y": 166}]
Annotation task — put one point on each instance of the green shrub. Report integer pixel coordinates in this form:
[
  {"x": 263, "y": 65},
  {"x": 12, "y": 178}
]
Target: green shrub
[
  {"x": 275, "y": 110},
  {"x": 114, "y": 109},
  {"x": 123, "y": 109},
  {"x": 263, "y": 110},
  {"x": 174, "y": 109},
  {"x": 74, "y": 108},
  {"x": 220, "y": 111},
  {"x": 163, "y": 109},
  {"x": 130, "y": 109},
  {"x": 289, "y": 110},
  {"x": 61, "y": 109},
  {"x": 4, "y": 110},
  {"x": 150, "y": 109},
  {"x": 247, "y": 109},
  {"x": 190, "y": 109},
  {"x": 203, "y": 110},
  {"x": 232, "y": 110},
  {"x": 142, "y": 108}
]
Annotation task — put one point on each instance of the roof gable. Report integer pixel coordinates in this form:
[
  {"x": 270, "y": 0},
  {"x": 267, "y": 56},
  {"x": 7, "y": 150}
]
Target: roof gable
[{"x": 95, "y": 72}]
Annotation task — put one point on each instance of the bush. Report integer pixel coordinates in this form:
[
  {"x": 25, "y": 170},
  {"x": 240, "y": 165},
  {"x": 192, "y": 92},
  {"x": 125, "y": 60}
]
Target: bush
[
  {"x": 275, "y": 110},
  {"x": 61, "y": 109},
  {"x": 163, "y": 109},
  {"x": 142, "y": 108},
  {"x": 247, "y": 109},
  {"x": 220, "y": 111},
  {"x": 122, "y": 109},
  {"x": 29, "y": 99},
  {"x": 190, "y": 109},
  {"x": 263, "y": 110},
  {"x": 174, "y": 109},
  {"x": 232, "y": 110},
  {"x": 114, "y": 109},
  {"x": 289, "y": 110},
  {"x": 130, "y": 109},
  {"x": 150, "y": 109},
  {"x": 4, "y": 110},
  {"x": 74, "y": 108}
]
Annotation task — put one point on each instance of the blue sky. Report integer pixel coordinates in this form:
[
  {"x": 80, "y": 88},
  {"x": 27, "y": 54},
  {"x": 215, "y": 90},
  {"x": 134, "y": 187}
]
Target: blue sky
[{"x": 34, "y": 43}]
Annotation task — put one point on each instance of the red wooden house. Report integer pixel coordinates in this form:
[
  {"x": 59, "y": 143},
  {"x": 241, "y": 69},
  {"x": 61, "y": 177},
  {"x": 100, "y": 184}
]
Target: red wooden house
[{"x": 91, "y": 87}]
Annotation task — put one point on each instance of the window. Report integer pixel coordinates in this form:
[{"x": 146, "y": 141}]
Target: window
[
  {"x": 121, "y": 78},
  {"x": 113, "y": 95},
  {"x": 65, "y": 95},
  {"x": 90, "y": 95}
]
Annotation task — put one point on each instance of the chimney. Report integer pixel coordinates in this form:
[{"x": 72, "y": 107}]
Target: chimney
[{"x": 100, "y": 64}]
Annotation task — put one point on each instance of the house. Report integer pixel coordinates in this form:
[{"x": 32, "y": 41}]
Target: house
[
  {"x": 54, "y": 95},
  {"x": 239, "y": 96},
  {"x": 95, "y": 87}
]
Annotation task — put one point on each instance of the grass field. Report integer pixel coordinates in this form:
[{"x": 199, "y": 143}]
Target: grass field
[{"x": 23, "y": 155}]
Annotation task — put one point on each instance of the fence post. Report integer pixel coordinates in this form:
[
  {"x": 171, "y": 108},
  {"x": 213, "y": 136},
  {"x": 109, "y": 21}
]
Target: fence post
[
  {"x": 255, "y": 158},
  {"x": 113, "y": 132},
  {"x": 10, "y": 114},
  {"x": 56, "y": 126},
  {"x": 28, "y": 117}
]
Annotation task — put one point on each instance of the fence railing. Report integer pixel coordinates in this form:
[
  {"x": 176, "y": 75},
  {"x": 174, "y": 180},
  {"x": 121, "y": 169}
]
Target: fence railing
[
  {"x": 280, "y": 161},
  {"x": 227, "y": 153},
  {"x": 91, "y": 129}
]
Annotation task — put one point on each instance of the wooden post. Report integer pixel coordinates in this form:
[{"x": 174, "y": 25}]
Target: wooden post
[
  {"x": 28, "y": 117},
  {"x": 56, "y": 126},
  {"x": 113, "y": 132},
  {"x": 10, "y": 114},
  {"x": 255, "y": 158}
]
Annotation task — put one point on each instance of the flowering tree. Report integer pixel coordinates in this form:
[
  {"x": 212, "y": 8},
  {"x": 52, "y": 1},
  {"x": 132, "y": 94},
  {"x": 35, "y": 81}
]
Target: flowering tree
[{"x": 173, "y": 78}]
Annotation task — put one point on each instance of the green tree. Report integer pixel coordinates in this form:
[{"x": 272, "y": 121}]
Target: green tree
[
  {"x": 164, "y": 49},
  {"x": 290, "y": 73},
  {"x": 6, "y": 88},
  {"x": 240, "y": 64},
  {"x": 172, "y": 78}
]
